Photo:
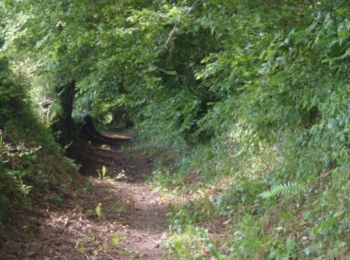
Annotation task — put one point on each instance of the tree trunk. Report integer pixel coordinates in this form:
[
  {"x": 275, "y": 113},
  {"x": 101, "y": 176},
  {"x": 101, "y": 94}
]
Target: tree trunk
[
  {"x": 67, "y": 94},
  {"x": 65, "y": 126}
]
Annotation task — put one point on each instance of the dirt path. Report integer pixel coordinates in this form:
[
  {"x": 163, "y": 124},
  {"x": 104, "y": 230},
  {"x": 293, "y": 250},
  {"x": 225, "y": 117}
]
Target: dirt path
[{"x": 114, "y": 217}]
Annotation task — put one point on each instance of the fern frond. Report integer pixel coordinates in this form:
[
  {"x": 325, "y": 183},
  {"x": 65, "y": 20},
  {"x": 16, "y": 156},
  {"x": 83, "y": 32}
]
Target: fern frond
[{"x": 282, "y": 189}]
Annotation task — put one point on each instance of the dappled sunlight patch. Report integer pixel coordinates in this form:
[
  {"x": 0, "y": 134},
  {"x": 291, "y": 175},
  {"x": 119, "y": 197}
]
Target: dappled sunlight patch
[
  {"x": 108, "y": 212},
  {"x": 193, "y": 243},
  {"x": 112, "y": 215},
  {"x": 118, "y": 135},
  {"x": 242, "y": 105},
  {"x": 73, "y": 232}
]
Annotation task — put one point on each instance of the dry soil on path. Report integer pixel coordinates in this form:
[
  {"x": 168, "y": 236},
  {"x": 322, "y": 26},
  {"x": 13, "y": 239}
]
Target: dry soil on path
[{"x": 115, "y": 216}]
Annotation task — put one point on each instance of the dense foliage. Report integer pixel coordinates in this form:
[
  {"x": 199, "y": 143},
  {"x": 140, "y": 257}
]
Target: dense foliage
[
  {"x": 31, "y": 164},
  {"x": 256, "y": 93},
  {"x": 29, "y": 156}
]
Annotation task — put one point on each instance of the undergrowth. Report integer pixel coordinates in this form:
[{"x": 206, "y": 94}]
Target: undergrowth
[
  {"x": 33, "y": 168},
  {"x": 260, "y": 211},
  {"x": 244, "y": 103}
]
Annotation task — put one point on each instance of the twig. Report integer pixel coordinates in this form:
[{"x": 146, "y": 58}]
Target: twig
[
  {"x": 325, "y": 174},
  {"x": 173, "y": 31},
  {"x": 108, "y": 255}
]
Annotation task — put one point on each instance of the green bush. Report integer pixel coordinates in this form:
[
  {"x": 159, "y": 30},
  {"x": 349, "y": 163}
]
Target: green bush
[
  {"x": 31, "y": 163},
  {"x": 252, "y": 92}
]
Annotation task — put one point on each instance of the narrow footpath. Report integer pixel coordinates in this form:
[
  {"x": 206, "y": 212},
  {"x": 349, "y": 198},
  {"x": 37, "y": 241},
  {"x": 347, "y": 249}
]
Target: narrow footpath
[{"x": 115, "y": 216}]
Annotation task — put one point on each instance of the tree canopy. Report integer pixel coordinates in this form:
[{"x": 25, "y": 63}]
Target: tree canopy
[{"x": 256, "y": 89}]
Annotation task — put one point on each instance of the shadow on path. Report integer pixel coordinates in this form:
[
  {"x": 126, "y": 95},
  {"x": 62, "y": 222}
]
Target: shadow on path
[{"x": 115, "y": 217}]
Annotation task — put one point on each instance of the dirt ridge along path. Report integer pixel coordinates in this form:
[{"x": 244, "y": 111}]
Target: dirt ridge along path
[{"x": 116, "y": 216}]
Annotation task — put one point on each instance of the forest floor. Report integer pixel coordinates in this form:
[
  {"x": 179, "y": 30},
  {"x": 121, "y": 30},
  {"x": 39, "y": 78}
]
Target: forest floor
[{"x": 115, "y": 216}]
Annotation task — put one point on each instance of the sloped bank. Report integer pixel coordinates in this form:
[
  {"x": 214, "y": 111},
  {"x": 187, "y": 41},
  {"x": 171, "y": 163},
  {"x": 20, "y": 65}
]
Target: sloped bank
[{"x": 33, "y": 169}]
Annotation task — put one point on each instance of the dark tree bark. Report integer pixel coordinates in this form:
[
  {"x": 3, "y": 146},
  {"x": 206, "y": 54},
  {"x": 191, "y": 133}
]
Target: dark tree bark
[
  {"x": 67, "y": 94},
  {"x": 88, "y": 129},
  {"x": 66, "y": 130},
  {"x": 65, "y": 126}
]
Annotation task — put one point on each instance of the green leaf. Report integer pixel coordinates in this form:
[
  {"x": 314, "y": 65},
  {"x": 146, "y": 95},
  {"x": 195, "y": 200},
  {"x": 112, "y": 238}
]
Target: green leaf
[
  {"x": 98, "y": 210},
  {"x": 116, "y": 240}
]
